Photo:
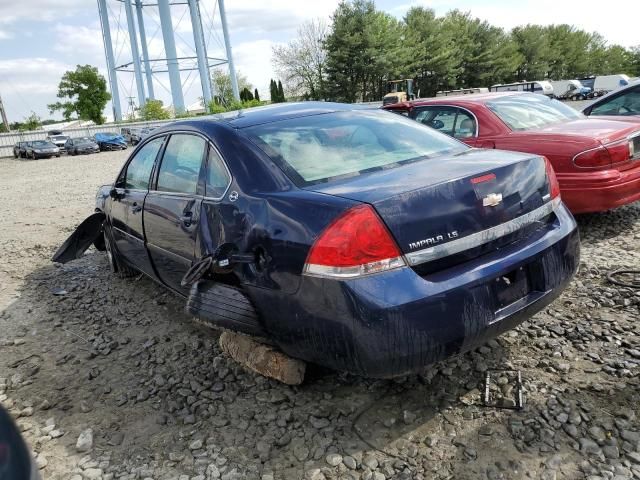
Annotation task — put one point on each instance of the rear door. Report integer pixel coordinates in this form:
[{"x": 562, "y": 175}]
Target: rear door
[
  {"x": 172, "y": 208},
  {"x": 126, "y": 208},
  {"x": 453, "y": 121}
]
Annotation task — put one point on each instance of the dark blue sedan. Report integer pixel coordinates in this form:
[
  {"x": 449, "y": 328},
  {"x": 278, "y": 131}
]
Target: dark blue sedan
[{"x": 348, "y": 237}]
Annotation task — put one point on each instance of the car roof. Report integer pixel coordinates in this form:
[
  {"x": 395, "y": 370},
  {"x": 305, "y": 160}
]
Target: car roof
[
  {"x": 279, "y": 111},
  {"x": 473, "y": 98}
]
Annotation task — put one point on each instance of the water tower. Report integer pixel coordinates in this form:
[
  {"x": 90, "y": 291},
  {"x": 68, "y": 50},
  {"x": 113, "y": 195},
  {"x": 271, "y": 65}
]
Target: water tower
[{"x": 147, "y": 69}]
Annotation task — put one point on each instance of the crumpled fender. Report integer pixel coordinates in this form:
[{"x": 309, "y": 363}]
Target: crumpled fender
[{"x": 88, "y": 232}]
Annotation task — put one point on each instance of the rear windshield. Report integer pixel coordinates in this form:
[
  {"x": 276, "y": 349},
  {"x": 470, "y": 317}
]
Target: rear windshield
[
  {"x": 524, "y": 112},
  {"x": 326, "y": 147}
]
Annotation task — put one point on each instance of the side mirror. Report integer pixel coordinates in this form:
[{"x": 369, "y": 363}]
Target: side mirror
[{"x": 114, "y": 194}]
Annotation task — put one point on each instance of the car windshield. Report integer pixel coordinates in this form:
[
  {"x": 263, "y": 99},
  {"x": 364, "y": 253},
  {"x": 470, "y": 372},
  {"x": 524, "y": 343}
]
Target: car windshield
[
  {"x": 83, "y": 140},
  {"x": 59, "y": 137},
  {"x": 325, "y": 147},
  {"x": 41, "y": 144},
  {"x": 524, "y": 112}
]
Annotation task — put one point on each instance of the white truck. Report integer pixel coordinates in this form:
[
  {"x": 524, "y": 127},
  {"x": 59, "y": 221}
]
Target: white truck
[
  {"x": 542, "y": 86},
  {"x": 570, "y": 90},
  {"x": 606, "y": 83}
]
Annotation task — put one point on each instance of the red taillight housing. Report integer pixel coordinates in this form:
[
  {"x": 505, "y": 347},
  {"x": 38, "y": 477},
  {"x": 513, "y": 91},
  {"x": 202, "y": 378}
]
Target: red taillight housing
[
  {"x": 356, "y": 243},
  {"x": 595, "y": 158},
  {"x": 620, "y": 151},
  {"x": 554, "y": 186}
]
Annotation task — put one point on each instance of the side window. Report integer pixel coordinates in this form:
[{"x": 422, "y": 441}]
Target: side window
[
  {"x": 217, "y": 176},
  {"x": 181, "y": 163},
  {"x": 439, "y": 118},
  {"x": 140, "y": 166},
  {"x": 465, "y": 125},
  {"x": 626, "y": 104}
]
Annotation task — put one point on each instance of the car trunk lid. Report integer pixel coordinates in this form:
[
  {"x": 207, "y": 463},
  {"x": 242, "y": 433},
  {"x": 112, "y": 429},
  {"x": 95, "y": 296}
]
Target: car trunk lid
[{"x": 431, "y": 206}]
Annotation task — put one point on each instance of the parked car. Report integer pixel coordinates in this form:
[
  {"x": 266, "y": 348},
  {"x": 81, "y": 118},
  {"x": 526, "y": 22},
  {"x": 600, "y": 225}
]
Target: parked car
[
  {"x": 58, "y": 140},
  {"x": 18, "y": 149},
  {"x": 348, "y": 237},
  {"x": 110, "y": 141},
  {"x": 596, "y": 160},
  {"x": 131, "y": 135},
  {"x": 622, "y": 102},
  {"x": 80, "y": 145},
  {"x": 41, "y": 149}
]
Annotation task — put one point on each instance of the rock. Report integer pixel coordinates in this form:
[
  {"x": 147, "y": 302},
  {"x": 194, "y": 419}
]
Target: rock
[
  {"x": 92, "y": 473},
  {"x": 334, "y": 459},
  {"x": 350, "y": 462},
  {"x": 611, "y": 451},
  {"x": 370, "y": 462},
  {"x": 41, "y": 461},
  {"x": 408, "y": 417},
  {"x": 634, "y": 457},
  {"x": 588, "y": 446},
  {"x": 195, "y": 445},
  {"x": 85, "y": 441}
]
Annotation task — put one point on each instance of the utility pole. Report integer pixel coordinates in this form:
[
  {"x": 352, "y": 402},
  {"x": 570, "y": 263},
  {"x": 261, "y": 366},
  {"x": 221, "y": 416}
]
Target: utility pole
[
  {"x": 132, "y": 108},
  {"x": 4, "y": 116}
]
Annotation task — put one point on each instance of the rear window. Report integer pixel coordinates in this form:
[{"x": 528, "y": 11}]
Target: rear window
[
  {"x": 524, "y": 112},
  {"x": 326, "y": 147}
]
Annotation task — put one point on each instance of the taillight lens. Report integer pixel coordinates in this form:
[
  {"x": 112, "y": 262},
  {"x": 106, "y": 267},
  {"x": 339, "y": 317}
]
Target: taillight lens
[
  {"x": 594, "y": 158},
  {"x": 620, "y": 151},
  {"x": 357, "y": 243},
  {"x": 554, "y": 186}
]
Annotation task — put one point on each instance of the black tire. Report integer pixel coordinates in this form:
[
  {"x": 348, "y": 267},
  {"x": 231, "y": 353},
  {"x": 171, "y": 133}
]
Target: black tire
[
  {"x": 118, "y": 266},
  {"x": 15, "y": 155}
]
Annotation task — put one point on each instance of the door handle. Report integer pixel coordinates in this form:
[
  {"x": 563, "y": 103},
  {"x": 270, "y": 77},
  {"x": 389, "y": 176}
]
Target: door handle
[
  {"x": 135, "y": 208},
  {"x": 187, "y": 218}
]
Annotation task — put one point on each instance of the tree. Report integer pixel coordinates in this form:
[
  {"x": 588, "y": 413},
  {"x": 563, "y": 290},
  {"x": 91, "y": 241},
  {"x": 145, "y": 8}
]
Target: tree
[
  {"x": 302, "y": 62},
  {"x": 32, "y": 122},
  {"x": 532, "y": 44},
  {"x": 281, "y": 92},
  {"x": 221, "y": 81},
  {"x": 256, "y": 95},
  {"x": 153, "y": 110},
  {"x": 246, "y": 95},
  {"x": 363, "y": 50},
  {"x": 4, "y": 128},
  {"x": 86, "y": 93}
]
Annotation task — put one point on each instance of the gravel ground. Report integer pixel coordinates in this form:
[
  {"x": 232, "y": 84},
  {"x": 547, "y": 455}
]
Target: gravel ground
[{"x": 112, "y": 380}]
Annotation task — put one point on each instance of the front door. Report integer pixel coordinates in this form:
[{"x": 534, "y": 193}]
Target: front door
[
  {"x": 172, "y": 208},
  {"x": 127, "y": 206}
]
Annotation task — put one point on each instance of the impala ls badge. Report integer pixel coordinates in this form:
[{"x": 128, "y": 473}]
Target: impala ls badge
[{"x": 492, "y": 200}]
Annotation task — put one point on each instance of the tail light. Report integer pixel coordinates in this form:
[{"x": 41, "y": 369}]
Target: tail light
[
  {"x": 605, "y": 156},
  {"x": 554, "y": 186},
  {"x": 594, "y": 158},
  {"x": 356, "y": 243}
]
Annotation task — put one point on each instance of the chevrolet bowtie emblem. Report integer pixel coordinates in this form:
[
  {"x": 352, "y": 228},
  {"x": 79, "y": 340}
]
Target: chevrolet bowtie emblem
[{"x": 492, "y": 200}]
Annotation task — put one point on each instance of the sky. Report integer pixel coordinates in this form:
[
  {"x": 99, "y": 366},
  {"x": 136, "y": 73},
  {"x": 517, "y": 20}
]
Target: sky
[{"x": 41, "y": 39}]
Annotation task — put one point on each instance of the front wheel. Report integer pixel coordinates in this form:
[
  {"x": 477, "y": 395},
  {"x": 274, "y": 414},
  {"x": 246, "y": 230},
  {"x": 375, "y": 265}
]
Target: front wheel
[{"x": 118, "y": 266}]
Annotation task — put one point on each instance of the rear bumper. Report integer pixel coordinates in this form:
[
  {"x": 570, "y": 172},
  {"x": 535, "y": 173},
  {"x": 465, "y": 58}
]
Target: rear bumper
[
  {"x": 398, "y": 322},
  {"x": 601, "y": 190}
]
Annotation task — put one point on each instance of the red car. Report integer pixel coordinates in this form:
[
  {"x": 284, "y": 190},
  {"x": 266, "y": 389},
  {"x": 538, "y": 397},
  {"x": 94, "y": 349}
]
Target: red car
[{"x": 597, "y": 161}]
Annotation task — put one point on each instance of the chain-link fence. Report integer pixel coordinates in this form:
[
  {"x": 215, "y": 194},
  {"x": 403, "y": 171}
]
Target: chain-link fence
[{"x": 8, "y": 140}]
